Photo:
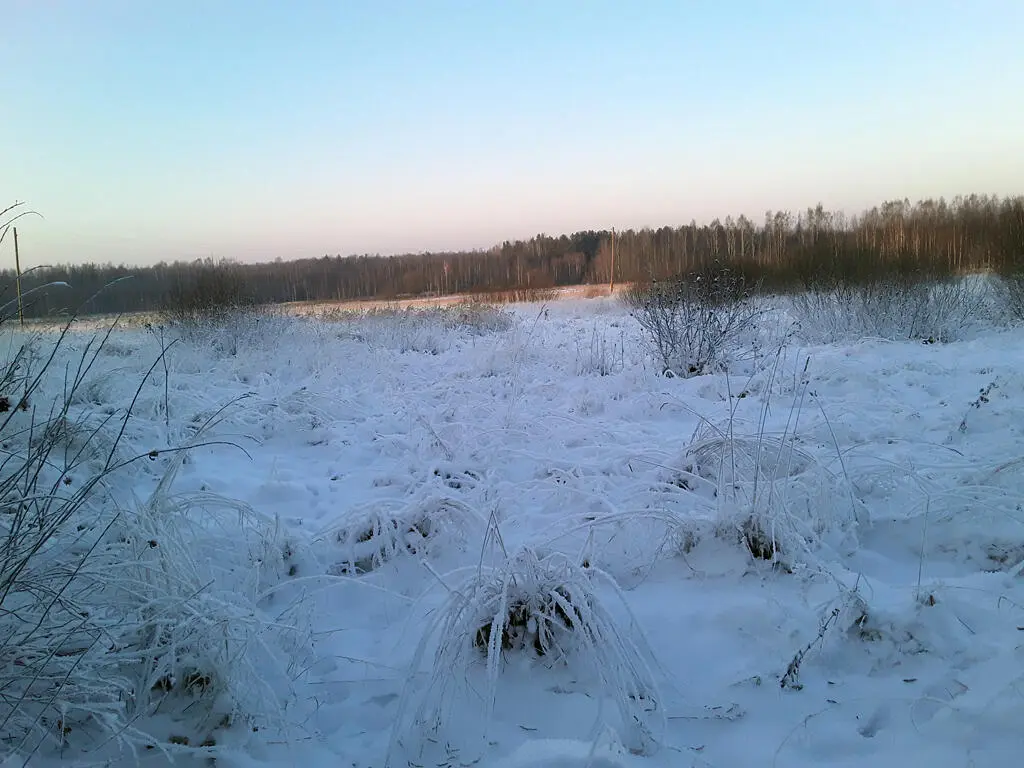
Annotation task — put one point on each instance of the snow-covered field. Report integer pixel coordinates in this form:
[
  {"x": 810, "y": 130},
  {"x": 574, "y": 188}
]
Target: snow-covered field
[{"x": 398, "y": 479}]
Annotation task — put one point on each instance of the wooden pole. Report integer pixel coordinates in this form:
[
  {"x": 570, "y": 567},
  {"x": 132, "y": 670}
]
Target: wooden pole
[
  {"x": 611, "y": 281},
  {"x": 17, "y": 269}
]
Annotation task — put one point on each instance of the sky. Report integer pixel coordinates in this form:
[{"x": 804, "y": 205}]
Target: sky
[{"x": 148, "y": 130}]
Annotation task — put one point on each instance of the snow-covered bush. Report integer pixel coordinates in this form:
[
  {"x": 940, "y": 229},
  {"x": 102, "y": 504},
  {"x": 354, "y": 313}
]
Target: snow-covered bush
[
  {"x": 540, "y": 607},
  {"x": 228, "y": 331},
  {"x": 1010, "y": 294},
  {"x": 368, "y": 537},
  {"x": 895, "y": 307},
  {"x": 781, "y": 492},
  {"x": 214, "y": 307},
  {"x": 695, "y": 323},
  {"x": 779, "y": 499},
  {"x": 109, "y": 609},
  {"x": 208, "y": 294}
]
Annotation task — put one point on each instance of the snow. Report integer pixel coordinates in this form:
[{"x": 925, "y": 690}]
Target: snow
[{"x": 892, "y": 486}]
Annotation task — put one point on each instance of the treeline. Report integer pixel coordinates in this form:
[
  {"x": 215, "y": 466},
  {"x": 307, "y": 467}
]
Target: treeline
[{"x": 786, "y": 251}]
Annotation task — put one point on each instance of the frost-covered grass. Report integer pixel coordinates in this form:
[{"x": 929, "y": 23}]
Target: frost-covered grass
[
  {"x": 119, "y": 597},
  {"x": 503, "y": 537},
  {"x": 908, "y": 310}
]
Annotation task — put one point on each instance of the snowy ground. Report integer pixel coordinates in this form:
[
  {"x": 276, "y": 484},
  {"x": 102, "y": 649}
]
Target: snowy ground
[{"x": 892, "y": 490}]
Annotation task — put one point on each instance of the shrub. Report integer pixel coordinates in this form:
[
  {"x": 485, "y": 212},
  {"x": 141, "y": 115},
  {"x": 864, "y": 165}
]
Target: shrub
[
  {"x": 53, "y": 668},
  {"x": 1011, "y": 293},
  {"x": 213, "y": 306},
  {"x": 541, "y": 607},
  {"x": 211, "y": 294},
  {"x": 694, "y": 322},
  {"x": 898, "y": 306},
  {"x": 106, "y": 613}
]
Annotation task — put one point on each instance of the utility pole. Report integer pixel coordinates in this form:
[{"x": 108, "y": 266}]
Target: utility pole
[
  {"x": 17, "y": 271},
  {"x": 611, "y": 281}
]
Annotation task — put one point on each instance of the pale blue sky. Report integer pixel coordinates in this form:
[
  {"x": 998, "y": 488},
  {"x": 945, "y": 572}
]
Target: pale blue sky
[{"x": 148, "y": 130}]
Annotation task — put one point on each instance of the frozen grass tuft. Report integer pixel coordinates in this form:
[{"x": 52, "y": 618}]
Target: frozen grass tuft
[
  {"x": 781, "y": 493},
  {"x": 548, "y": 610},
  {"x": 371, "y": 536},
  {"x": 600, "y": 355},
  {"x": 192, "y": 572}
]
